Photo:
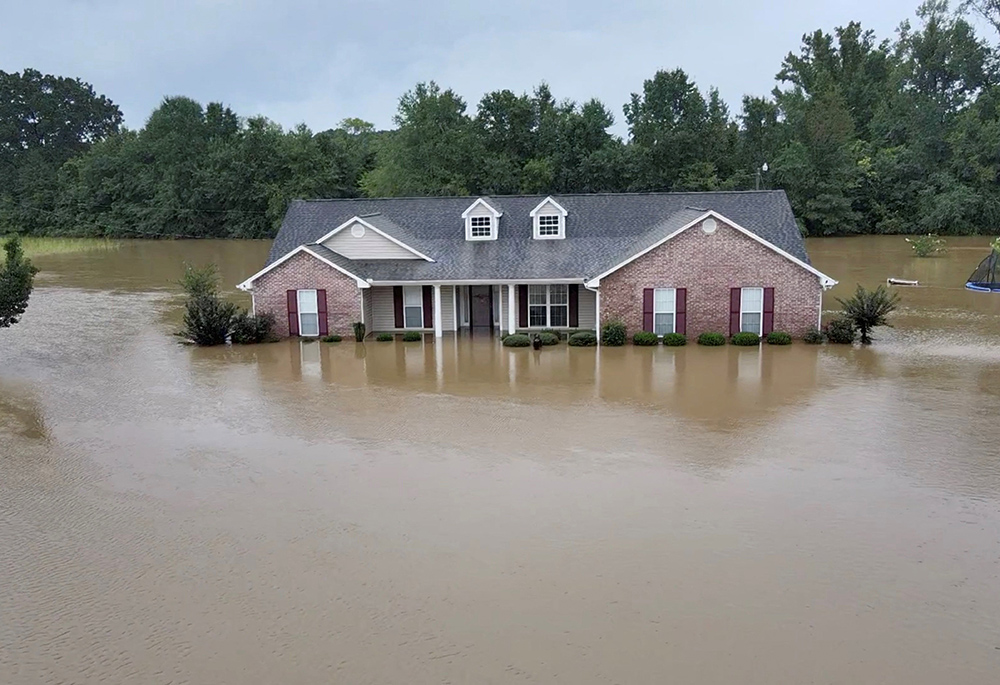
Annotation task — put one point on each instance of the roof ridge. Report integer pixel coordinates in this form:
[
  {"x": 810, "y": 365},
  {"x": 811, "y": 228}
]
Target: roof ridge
[{"x": 645, "y": 193}]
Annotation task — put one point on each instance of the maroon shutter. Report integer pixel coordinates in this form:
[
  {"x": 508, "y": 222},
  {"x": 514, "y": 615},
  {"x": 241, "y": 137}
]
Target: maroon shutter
[
  {"x": 647, "y": 309},
  {"x": 574, "y": 305},
  {"x": 324, "y": 323},
  {"x": 293, "y": 312},
  {"x": 522, "y": 306},
  {"x": 680, "y": 311},
  {"x": 735, "y": 295},
  {"x": 428, "y": 306},
  {"x": 768, "y": 310},
  {"x": 397, "y": 305}
]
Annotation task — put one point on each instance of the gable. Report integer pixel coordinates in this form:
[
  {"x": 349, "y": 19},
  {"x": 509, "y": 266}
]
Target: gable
[{"x": 358, "y": 241}]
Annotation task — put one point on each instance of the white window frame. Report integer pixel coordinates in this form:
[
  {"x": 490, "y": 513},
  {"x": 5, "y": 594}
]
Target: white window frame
[
  {"x": 744, "y": 310},
  {"x": 560, "y": 227},
  {"x": 301, "y": 311},
  {"x": 673, "y": 312},
  {"x": 420, "y": 291},
  {"x": 548, "y": 208},
  {"x": 490, "y": 223},
  {"x": 548, "y": 305}
]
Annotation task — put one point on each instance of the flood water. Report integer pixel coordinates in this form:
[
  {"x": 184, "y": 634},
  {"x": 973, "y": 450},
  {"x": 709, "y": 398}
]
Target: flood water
[{"x": 457, "y": 512}]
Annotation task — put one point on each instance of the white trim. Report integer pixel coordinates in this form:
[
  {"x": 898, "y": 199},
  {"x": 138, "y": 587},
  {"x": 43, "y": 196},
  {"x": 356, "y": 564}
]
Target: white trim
[
  {"x": 536, "y": 215},
  {"x": 480, "y": 201},
  {"x": 825, "y": 281},
  {"x": 492, "y": 235},
  {"x": 548, "y": 305},
  {"x": 437, "y": 312},
  {"x": 421, "y": 327},
  {"x": 359, "y": 220},
  {"x": 300, "y": 312},
  {"x": 672, "y": 312},
  {"x": 550, "y": 201},
  {"x": 511, "y": 322},
  {"x": 760, "y": 326},
  {"x": 248, "y": 283},
  {"x": 483, "y": 281}
]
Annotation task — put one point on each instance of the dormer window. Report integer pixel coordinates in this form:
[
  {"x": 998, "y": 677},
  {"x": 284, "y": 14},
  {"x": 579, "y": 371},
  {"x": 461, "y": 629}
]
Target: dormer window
[
  {"x": 482, "y": 220},
  {"x": 481, "y": 226},
  {"x": 549, "y": 219}
]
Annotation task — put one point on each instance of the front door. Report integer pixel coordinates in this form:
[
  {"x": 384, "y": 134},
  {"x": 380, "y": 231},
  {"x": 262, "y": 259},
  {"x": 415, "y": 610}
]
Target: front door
[{"x": 480, "y": 306}]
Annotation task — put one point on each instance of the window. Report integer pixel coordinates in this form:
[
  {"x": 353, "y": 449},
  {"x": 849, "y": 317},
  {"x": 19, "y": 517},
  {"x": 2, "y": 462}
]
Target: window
[
  {"x": 308, "y": 313},
  {"x": 548, "y": 306},
  {"x": 751, "y": 310},
  {"x": 481, "y": 226},
  {"x": 548, "y": 225},
  {"x": 664, "y": 310},
  {"x": 413, "y": 306}
]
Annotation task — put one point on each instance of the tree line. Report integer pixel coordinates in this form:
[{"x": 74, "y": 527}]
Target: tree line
[{"x": 866, "y": 135}]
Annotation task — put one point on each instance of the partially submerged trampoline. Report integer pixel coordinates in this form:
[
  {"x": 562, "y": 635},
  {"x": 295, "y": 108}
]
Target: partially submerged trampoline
[{"x": 986, "y": 278}]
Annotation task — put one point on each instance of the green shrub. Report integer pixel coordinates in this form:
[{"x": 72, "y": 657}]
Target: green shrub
[
  {"x": 413, "y": 336},
  {"x": 583, "y": 339},
  {"x": 711, "y": 339},
  {"x": 841, "y": 331},
  {"x": 645, "y": 339},
  {"x": 248, "y": 329},
  {"x": 675, "y": 340},
  {"x": 359, "y": 330},
  {"x": 384, "y": 337},
  {"x": 744, "y": 339},
  {"x": 549, "y": 337},
  {"x": 208, "y": 320},
  {"x": 927, "y": 245},
  {"x": 331, "y": 338},
  {"x": 813, "y": 336},
  {"x": 614, "y": 333},
  {"x": 517, "y": 340},
  {"x": 779, "y": 338},
  {"x": 559, "y": 334},
  {"x": 868, "y": 309}
]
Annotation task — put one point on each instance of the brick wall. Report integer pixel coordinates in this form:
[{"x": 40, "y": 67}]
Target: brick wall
[
  {"x": 305, "y": 272},
  {"x": 708, "y": 266}
]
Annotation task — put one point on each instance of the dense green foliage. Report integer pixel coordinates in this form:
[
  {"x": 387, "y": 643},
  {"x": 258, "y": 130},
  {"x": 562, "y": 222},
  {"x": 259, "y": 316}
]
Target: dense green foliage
[
  {"x": 645, "y": 339},
  {"x": 413, "y": 336},
  {"x": 17, "y": 278},
  {"x": 331, "y": 338},
  {"x": 865, "y": 135},
  {"x": 210, "y": 320},
  {"x": 517, "y": 340},
  {"x": 744, "y": 339},
  {"x": 778, "y": 338},
  {"x": 841, "y": 331},
  {"x": 813, "y": 336},
  {"x": 359, "y": 330},
  {"x": 711, "y": 339},
  {"x": 868, "y": 309},
  {"x": 384, "y": 337},
  {"x": 614, "y": 333},
  {"x": 583, "y": 339},
  {"x": 675, "y": 340},
  {"x": 927, "y": 245},
  {"x": 252, "y": 329},
  {"x": 548, "y": 338}
]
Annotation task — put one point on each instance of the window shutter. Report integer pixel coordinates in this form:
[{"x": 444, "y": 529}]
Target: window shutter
[
  {"x": 397, "y": 305},
  {"x": 735, "y": 295},
  {"x": 428, "y": 306},
  {"x": 647, "y": 309},
  {"x": 574, "y": 305},
  {"x": 324, "y": 323},
  {"x": 768, "y": 311},
  {"x": 293, "y": 312},
  {"x": 522, "y": 306},
  {"x": 680, "y": 311}
]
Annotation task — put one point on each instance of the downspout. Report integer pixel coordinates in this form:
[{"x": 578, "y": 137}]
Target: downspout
[{"x": 597, "y": 310}]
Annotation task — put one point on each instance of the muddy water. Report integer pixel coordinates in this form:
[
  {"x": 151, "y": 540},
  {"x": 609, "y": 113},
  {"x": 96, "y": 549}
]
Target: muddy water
[{"x": 459, "y": 512}]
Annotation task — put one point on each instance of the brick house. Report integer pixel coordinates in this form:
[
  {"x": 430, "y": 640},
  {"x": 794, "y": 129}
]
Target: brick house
[{"x": 661, "y": 262}]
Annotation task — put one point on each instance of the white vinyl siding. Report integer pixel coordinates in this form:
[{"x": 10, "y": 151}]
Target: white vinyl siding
[
  {"x": 448, "y": 307},
  {"x": 413, "y": 306},
  {"x": 384, "y": 314},
  {"x": 308, "y": 313},
  {"x": 588, "y": 308},
  {"x": 664, "y": 310},
  {"x": 751, "y": 310},
  {"x": 367, "y": 309},
  {"x": 371, "y": 245}
]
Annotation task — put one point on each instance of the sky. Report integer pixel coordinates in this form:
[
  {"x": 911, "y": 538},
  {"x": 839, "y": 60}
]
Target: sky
[{"x": 318, "y": 62}]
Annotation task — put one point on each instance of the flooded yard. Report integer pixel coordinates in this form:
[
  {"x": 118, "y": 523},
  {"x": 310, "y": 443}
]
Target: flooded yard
[{"x": 462, "y": 512}]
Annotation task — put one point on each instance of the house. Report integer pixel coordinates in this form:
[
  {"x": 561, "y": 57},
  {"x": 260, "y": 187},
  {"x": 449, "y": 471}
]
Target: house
[{"x": 663, "y": 262}]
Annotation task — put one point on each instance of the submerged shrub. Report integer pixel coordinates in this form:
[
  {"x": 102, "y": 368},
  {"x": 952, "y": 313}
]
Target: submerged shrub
[
  {"x": 645, "y": 339},
  {"x": 813, "y": 336},
  {"x": 927, "y": 245},
  {"x": 675, "y": 340},
  {"x": 711, "y": 339},
  {"x": 384, "y": 337},
  {"x": 359, "y": 330},
  {"x": 583, "y": 339},
  {"x": 745, "y": 339},
  {"x": 413, "y": 336},
  {"x": 517, "y": 340},
  {"x": 250, "y": 329},
  {"x": 208, "y": 320},
  {"x": 331, "y": 338},
  {"x": 778, "y": 338},
  {"x": 841, "y": 331},
  {"x": 614, "y": 333},
  {"x": 868, "y": 309},
  {"x": 549, "y": 338},
  {"x": 553, "y": 331}
]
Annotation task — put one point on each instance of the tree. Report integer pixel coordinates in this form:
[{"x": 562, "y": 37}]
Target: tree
[
  {"x": 868, "y": 309},
  {"x": 17, "y": 278}
]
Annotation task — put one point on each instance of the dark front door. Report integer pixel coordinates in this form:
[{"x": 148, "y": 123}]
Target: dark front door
[{"x": 480, "y": 306}]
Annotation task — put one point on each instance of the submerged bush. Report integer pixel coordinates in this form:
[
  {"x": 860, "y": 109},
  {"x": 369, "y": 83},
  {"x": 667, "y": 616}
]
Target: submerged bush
[
  {"x": 645, "y": 339},
  {"x": 841, "y": 331},
  {"x": 517, "y": 340},
  {"x": 583, "y": 339},
  {"x": 413, "y": 336},
  {"x": 813, "y": 336},
  {"x": 745, "y": 339},
  {"x": 614, "y": 333},
  {"x": 331, "y": 338},
  {"x": 359, "y": 330},
  {"x": 549, "y": 338},
  {"x": 711, "y": 339},
  {"x": 384, "y": 337},
  {"x": 675, "y": 340},
  {"x": 927, "y": 245},
  {"x": 868, "y": 309},
  {"x": 250, "y": 329},
  {"x": 559, "y": 334},
  {"x": 778, "y": 338}
]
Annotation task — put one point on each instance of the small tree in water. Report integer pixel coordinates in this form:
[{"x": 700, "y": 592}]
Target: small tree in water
[
  {"x": 17, "y": 278},
  {"x": 868, "y": 309},
  {"x": 208, "y": 320}
]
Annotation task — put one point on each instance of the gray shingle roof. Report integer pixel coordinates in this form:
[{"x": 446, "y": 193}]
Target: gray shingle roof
[{"x": 601, "y": 231}]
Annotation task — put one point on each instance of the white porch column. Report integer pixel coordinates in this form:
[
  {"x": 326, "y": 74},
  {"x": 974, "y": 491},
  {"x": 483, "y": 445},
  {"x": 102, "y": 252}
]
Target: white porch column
[
  {"x": 510, "y": 308},
  {"x": 437, "y": 311}
]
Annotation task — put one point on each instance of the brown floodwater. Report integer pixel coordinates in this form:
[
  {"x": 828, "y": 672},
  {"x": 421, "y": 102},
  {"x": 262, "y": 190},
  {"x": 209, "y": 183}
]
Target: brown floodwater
[{"x": 458, "y": 512}]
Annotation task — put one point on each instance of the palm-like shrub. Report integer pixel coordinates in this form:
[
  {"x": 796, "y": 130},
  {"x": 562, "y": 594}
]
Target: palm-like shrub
[{"x": 868, "y": 309}]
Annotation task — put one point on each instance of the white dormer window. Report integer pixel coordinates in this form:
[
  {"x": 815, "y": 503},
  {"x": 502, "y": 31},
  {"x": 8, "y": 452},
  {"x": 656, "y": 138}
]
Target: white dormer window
[
  {"x": 482, "y": 220},
  {"x": 549, "y": 220}
]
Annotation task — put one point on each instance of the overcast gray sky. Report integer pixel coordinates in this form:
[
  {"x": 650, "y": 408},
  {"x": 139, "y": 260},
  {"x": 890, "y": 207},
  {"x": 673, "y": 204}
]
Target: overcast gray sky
[{"x": 318, "y": 62}]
